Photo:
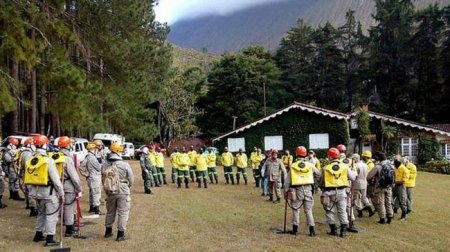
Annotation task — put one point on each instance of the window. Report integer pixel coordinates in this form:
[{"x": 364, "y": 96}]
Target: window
[
  {"x": 409, "y": 147},
  {"x": 319, "y": 141},
  {"x": 234, "y": 144},
  {"x": 445, "y": 148},
  {"x": 273, "y": 142}
]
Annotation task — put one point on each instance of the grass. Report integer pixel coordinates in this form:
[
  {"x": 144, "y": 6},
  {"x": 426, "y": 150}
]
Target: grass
[{"x": 237, "y": 218}]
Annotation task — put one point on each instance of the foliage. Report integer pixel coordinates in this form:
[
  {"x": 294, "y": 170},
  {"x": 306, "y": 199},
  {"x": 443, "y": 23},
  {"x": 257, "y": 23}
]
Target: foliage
[
  {"x": 429, "y": 149},
  {"x": 295, "y": 127},
  {"x": 436, "y": 166},
  {"x": 236, "y": 88},
  {"x": 363, "y": 122}
]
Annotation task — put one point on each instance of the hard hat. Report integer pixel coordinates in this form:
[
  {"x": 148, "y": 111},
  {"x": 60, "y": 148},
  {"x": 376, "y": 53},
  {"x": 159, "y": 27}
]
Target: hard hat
[
  {"x": 28, "y": 141},
  {"x": 301, "y": 151},
  {"x": 13, "y": 141},
  {"x": 367, "y": 154},
  {"x": 98, "y": 142},
  {"x": 333, "y": 153},
  {"x": 341, "y": 148},
  {"x": 116, "y": 147},
  {"x": 64, "y": 142},
  {"x": 90, "y": 146},
  {"x": 40, "y": 140}
]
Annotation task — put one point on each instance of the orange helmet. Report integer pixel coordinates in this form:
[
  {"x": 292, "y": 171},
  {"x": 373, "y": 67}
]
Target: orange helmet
[
  {"x": 40, "y": 140},
  {"x": 301, "y": 151},
  {"x": 333, "y": 153},
  {"x": 14, "y": 141},
  {"x": 98, "y": 142},
  {"x": 341, "y": 148},
  {"x": 28, "y": 141},
  {"x": 64, "y": 142}
]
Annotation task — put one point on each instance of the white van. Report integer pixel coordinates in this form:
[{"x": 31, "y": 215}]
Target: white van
[
  {"x": 107, "y": 139},
  {"x": 78, "y": 148},
  {"x": 128, "y": 150}
]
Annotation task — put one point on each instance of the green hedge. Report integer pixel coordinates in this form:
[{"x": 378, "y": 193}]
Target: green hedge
[
  {"x": 436, "y": 166},
  {"x": 295, "y": 127}
]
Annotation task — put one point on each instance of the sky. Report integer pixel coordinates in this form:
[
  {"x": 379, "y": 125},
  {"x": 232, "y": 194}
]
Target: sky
[{"x": 171, "y": 11}]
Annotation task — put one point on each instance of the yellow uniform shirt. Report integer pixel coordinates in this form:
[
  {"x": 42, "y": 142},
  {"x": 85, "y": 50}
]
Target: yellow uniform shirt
[
  {"x": 401, "y": 174},
  {"x": 227, "y": 159},
  {"x": 411, "y": 182},
  {"x": 287, "y": 160},
  {"x": 183, "y": 161},
  {"x": 152, "y": 157},
  {"x": 173, "y": 159},
  {"x": 241, "y": 160},
  {"x": 370, "y": 165},
  {"x": 256, "y": 160},
  {"x": 159, "y": 160},
  {"x": 192, "y": 155},
  {"x": 211, "y": 160},
  {"x": 201, "y": 162},
  {"x": 318, "y": 164}
]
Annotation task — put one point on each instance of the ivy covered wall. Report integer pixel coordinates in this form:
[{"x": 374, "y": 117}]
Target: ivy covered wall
[{"x": 295, "y": 127}]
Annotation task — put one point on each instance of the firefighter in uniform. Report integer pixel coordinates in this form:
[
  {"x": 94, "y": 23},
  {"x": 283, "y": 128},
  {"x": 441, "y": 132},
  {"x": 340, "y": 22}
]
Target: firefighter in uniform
[
  {"x": 94, "y": 180},
  {"x": 256, "y": 160},
  {"x": 276, "y": 172},
  {"x": 192, "y": 155},
  {"x": 118, "y": 203},
  {"x": 183, "y": 167},
  {"x": 43, "y": 181},
  {"x": 159, "y": 163},
  {"x": 9, "y": 158},
  {"x": 241, "y": 164},
  {"x": 287, "y": 159},
  {"x": 212, "y": 171},
  {"x": 154, "y": 171},
  {"x": 72, "y": 185},
  {"x": 201, "y": 164},
  {"x": 410, "y": 184},
  {"x": 227, "y": 160},
  {"x": 173, "y": 161},
  {"x": 24, "y": 156},
  {"x": 298, "y": 189},
  {"x": 334, "y": 182},
  {"x": 399, "y": 191}
]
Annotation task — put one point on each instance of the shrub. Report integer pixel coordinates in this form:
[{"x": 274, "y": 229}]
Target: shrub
[{"x": 436, "y": 166}]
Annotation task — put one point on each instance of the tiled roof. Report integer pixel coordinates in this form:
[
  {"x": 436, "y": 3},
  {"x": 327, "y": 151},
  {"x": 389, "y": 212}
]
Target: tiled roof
[{"x": 443, "y": 126}]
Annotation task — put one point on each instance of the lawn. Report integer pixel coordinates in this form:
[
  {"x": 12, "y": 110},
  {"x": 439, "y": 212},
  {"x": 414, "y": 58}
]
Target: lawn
[{"x": 236, "y": 218}]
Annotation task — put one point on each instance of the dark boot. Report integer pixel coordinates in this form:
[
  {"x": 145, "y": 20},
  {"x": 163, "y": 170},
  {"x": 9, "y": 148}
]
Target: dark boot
[
  {"x": 49, "y": 242},
  {"x": 360, "y": 214},
  {"x": 371, "y": 212},
  {"x": 1, "y": 204},
  {"x": 91, "y": 209},
  {"x": 148, "y": 191},
  {"x": 312, "y": 231},
  {"x": 199, "y": 182},
  {"x": 186, "y": 182},
  {"x": 382, "y": 221},
  {"x": 192, "y": 176},
  {"x": 97, "y": 210},
  {"x": 343, "y": 230},
  {"x": 69, "y": 231},
  {"x": 257, "y": 182},
  {"x": 277, "y": 201},
  {"x": 179, "y": 182},
  {"x": 238, "y": 178},
  {"x": 245, "y": 180},
  {"x": 108, "y": 232},
  {"x": 216, "y": 177},
  {"x": 232, "y": 179},
  {"x": 332, "y": 230},
  {"x": 227, "y": 179},
  {"x": 389, "y": 220},
  {"x": 294, "y": 229},
  {"x": 211, "y": 178},
  {"x": 38, "y": 236},
  {"x": 120, "y": 236},
  {"x": 17, "y": 197},
  {"x": 27, "y": 204},
  {"x": 11, "y": 194},
  {"x": 352, "y": 228},
  {"x": 33, "y": 212},
  {"x": 270, "y": 198},
  {"x": 403, "y": 217},
  {"x": 395, "y": 210},
  {"x": 205, "y": 183}
]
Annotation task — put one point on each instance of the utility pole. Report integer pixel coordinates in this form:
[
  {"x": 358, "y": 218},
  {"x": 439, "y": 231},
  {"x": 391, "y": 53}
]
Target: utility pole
[
  {"x": 264, "y": 91},
  {"x": 234, "y": 122}
]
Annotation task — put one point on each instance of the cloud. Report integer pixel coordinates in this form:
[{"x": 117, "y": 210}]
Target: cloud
[{"x": 171, "y": 11}]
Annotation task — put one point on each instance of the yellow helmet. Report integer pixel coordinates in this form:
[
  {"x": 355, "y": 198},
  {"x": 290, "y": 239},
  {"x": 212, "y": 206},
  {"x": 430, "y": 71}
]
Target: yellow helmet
[
  {"x": 90, "y": 146},
  {"x": 116, "y": 147},
  {"x": 367, "y": 154},
  {"x": 98, "y": 142}
]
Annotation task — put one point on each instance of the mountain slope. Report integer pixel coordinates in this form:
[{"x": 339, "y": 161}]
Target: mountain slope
[{"x": 267, "y": 24}]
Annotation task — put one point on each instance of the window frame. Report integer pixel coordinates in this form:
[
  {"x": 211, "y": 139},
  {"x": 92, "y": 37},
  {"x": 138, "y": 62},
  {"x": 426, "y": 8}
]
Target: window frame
[
  {"x": 267, "y": 138},
  {"x": 317, "y": 146}
]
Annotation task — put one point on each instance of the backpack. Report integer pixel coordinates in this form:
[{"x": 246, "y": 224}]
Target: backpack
[
  {"x": 110, "y": 179},
  {"x": 83, "y": 169},
  {"x": 387, "y": 176}
]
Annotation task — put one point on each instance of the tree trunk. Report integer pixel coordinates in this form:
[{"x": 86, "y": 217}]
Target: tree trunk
[
  {"x": 15, "y": 118},
  {"x": 42, "y": 111},
  {"x": 33, "y": 102}
]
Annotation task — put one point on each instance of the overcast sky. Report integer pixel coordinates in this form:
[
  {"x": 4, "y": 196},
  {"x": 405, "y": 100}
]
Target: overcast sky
[{"x": 171, "y": 11}]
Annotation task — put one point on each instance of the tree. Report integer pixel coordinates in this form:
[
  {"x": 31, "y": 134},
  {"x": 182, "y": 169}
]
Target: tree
[{"x": 236, "y": 88}]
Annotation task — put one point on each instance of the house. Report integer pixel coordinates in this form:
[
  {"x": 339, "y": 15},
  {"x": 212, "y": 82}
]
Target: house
[
  {"x": 297, "y": 124},
  {"x": 318, "y": 129}
]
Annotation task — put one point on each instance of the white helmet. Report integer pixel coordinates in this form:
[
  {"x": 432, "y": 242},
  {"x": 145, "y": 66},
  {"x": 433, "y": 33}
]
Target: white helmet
[{"x": 145, "y": 150}]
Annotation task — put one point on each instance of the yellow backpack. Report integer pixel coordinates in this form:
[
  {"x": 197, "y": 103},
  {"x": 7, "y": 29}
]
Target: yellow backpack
[
  {"x": 36, "y": 171},
  {"x": 59, "y": 159}
]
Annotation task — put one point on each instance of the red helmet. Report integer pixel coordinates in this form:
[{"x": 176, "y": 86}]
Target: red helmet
[
  {"x": 333, "y": 153},
  {"x": 14, "y": 141},
  {"x": 64, "y": 142},
  {"x": 341, "y": 148},
  {"x": 40, "y": 140},
  {"x": 301, "y": 151},
  {"x": 28, "y": 141}
]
